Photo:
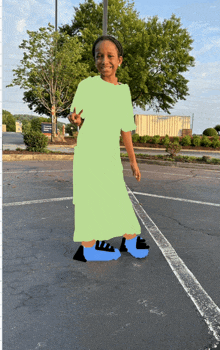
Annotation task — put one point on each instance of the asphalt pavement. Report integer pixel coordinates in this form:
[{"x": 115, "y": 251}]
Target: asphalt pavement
[{"x": 167, "y": 301}]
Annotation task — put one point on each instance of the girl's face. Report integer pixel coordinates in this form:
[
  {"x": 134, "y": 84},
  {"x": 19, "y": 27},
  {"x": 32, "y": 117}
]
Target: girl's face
[{"x": 106, "y": 59}]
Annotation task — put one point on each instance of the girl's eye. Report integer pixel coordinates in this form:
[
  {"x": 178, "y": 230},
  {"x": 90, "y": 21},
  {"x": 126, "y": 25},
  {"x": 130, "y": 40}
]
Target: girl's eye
[{"x": 108, "y": 55}]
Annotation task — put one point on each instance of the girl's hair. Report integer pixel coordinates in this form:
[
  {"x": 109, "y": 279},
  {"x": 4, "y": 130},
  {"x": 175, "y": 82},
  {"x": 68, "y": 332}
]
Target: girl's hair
[{"x": 111, "y": 38}]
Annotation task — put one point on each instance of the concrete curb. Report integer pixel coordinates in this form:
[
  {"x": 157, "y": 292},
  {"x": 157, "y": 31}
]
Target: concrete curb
[
  {"x": 49, "y": 157},
  {"x": 23, "y": 157}
]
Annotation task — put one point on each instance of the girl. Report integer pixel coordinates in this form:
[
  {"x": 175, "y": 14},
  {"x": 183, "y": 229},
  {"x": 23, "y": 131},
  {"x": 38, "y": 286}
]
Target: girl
[{"x": 103, "y": 209}]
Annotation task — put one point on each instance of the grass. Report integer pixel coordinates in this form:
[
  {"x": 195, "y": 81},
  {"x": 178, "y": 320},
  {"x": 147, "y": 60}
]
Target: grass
[
  {"x": 182, "y": 159},
  {"x": 179, "y": 158}
]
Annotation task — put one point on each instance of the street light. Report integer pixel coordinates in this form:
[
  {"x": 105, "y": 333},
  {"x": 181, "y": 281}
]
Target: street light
[
  {"x": 105, "y": 17},
  {"x": 53, "y": 110}
]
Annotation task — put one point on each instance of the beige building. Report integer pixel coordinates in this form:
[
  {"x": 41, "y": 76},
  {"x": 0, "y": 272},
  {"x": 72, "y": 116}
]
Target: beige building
[
  {"x": 161, "y": 125},
  {"x": 18, "y": 126}
]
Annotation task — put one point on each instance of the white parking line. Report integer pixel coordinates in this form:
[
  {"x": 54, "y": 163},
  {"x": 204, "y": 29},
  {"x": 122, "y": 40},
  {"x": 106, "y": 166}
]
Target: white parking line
[
  {"x": 139, "y": 193},
  {"x": 205, "y": 305},
  {"x": 177, "y": 199},
  {"x": 38, "y": 201},
  {"x": 34, "y": 171}
]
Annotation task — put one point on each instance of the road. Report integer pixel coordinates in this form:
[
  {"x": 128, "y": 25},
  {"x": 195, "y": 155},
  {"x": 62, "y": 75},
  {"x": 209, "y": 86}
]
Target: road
[
  {"x": 167, "y": 301},
  {"x": 12, "y": 140}
]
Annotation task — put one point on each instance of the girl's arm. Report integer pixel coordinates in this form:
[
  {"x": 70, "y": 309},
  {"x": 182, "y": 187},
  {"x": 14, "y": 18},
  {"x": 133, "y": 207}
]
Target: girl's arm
[{"x": 127, "y": 139}]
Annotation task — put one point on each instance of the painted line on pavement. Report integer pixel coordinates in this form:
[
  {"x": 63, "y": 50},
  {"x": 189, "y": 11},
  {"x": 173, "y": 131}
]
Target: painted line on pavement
[
  {"x": 37, "y": 201},
  {"x": 138, "y": 193},
  {"x": 177, "y": 199},
  {"x": 204, "y": 304},
  {"x": 35, "y": 171}
]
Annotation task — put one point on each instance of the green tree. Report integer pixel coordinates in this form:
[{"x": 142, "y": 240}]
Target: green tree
[
  {"x": 155, "y": 54},
  {"x": 217, "y": 128},
  {"x": 9, "y": 120},
  {"x": 36, "y": 123},
  {"x": 50, "y": 71}
]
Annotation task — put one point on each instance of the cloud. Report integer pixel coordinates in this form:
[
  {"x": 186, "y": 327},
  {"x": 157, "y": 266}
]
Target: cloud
[{"x": 20, "y": 25}]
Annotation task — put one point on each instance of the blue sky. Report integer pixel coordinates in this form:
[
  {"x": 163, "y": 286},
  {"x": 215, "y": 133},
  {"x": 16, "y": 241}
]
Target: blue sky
[{"x": 200, "y": 18}]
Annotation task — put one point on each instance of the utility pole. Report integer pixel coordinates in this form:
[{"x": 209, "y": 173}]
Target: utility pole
[
  {"x": 53, "y": 119},
  {"x": 105, "y": 17},
  {"x": 56, "y": 15}
]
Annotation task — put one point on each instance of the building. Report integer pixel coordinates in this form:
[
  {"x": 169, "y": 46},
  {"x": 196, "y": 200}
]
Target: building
[{"x": 162, "y": 125}]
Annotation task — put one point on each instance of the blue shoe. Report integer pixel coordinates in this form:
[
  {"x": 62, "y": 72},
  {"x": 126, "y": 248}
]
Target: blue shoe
[
  {"x": 99, "y": 252},
  {"x": 135, "y": 246}
]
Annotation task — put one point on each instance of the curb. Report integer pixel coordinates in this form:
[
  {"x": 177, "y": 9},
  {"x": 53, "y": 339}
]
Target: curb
[
  {"x": 23, "y": 157},
  {"x": 49, "y": 157}
]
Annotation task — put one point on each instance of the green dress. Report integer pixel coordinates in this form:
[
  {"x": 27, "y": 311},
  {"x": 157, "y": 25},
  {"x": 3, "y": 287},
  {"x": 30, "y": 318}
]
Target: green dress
[{"x": 103, "y": 209}]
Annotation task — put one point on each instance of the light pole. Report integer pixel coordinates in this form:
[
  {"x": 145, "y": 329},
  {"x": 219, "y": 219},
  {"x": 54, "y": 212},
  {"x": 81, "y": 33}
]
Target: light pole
[
  {"x": 53, "y": 106},
  {"x": 56, "y": 15},
  {"x": 105, "y": 17}
]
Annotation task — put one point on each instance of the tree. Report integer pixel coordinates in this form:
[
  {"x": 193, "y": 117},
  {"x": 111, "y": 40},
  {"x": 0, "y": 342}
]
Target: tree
[
  {"x": 36, "y": 123},
  {"x": 50, "y": 71},
  {"x": 217, "y": 128},
  {"x": 9, "y": 120},
  {"x": 155, "y": 54}
]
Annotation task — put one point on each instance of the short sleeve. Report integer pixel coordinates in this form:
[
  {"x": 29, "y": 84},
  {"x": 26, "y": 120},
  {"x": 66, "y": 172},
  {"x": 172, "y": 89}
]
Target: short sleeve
[
  {"x": 79, "y": 99},
  {"x": 127, "y": 115}
]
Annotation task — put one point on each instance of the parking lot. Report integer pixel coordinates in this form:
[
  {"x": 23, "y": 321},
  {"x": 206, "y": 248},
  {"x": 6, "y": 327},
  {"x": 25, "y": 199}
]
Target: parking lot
[{"x": 167, "y": 301}]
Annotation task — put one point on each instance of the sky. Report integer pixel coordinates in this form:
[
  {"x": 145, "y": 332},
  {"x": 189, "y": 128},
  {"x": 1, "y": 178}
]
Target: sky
[{"x": 200, "y": 18}]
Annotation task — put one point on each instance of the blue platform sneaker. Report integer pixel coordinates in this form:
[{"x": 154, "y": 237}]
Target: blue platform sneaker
[
  {"x": 135, "y": 246},
  {"x": 99, "y": 252}
]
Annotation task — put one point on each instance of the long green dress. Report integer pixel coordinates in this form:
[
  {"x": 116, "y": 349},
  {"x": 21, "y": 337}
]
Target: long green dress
[{"x": 103, "y": 209}]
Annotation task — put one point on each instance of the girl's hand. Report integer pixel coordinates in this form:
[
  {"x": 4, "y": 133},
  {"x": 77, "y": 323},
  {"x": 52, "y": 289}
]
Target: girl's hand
[
  {"x": 136, "y": 171},
  {"x": 75, "y": 118}
]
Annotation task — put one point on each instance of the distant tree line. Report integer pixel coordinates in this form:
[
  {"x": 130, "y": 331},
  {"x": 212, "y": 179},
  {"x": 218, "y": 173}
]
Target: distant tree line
[{"x": 31, "y": 122}]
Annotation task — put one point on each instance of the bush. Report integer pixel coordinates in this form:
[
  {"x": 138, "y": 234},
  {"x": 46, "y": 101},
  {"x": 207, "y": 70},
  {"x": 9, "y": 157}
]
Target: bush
[
  {"x": 135, "y": 138},
  {"x": 217, "y": 128},
  {"x": 156, "y": 139},
  {"x": 205, "y": 141},
  {"x": 166, "y": 140},
  {"x": 210, "y": 132},
  {"x": 144, "y": 139},
  {"x": 196, "y": 140},
  {"x": 215, "y": 142},
  {"x": 35, "y": 141},
  {"x": 176, "y": 139},
  {"x": 26, "y": 126},
  {"x": 186, "y": 141},
  {"x": 173, "y": 148},
  {"x": 70, "y": 129}
]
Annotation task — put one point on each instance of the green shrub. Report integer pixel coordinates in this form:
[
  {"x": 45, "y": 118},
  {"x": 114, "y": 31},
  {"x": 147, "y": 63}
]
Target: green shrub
[
  {"x": 196, "y": 140},
  {"x": 144, "y": 139},
  {"x": 210, "y": 132},
  {"x": 215, "y": 142},
  {"x": 166, "y": 140},
  {"x": 70, "y": 129},
  {"x": 205, "y": 141},
  {"x": 35, "y": 141},
  {"x": 156, "y": 139},
  {"x": 186, "y": 141},
  {"x": 26, "y": 126},
  {"x": 173, "y": 148},
  {"x": 135, "y": 138},
  {"x": 176, "y": 139}
]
